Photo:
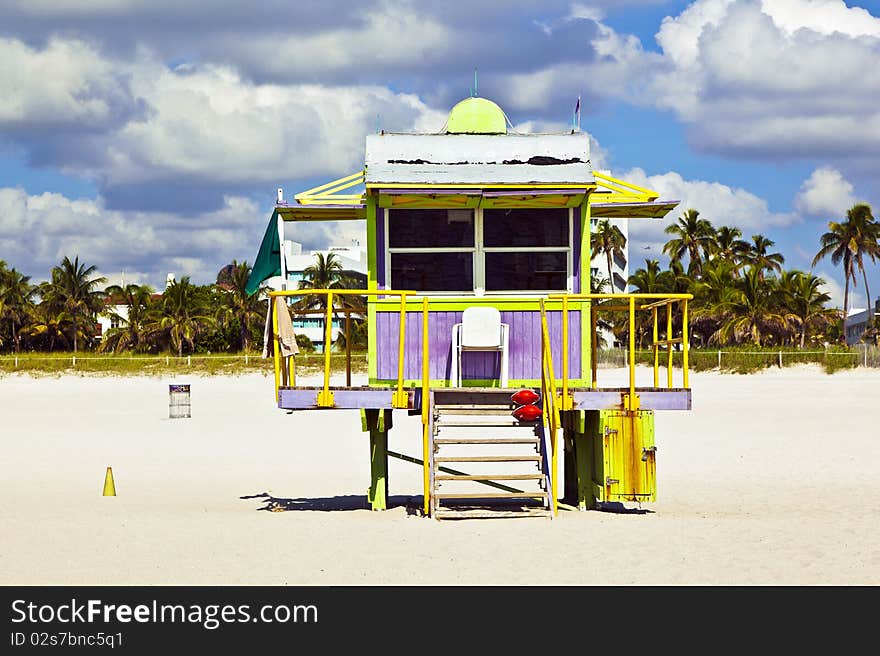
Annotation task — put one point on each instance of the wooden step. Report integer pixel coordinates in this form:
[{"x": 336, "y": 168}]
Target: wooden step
[
  {"x": 440, "y": 459},
  {"x": 490, "y": 495},
  {"x": 513, "y": 423},
  {"x": 452, "y": 408},
  {"x": 491, "y": 412},
  {"x": 485, "y": 513},
  {"x": 489, "y": 477},
  {"x": 487, "y": 440}
]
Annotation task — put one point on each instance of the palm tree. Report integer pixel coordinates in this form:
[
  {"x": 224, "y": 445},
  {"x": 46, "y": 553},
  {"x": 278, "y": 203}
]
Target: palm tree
[
  {"x": 693, "y": 237},
  {"x": 16, "y": 300},
  {"x": 51, "y": 324},
  {"x": 711, "y": 291},
  {"x": 805, "y": 301},
  {"x": 728, "y": 245},
  {"x": 649, "y": 280},
  {"x": 848, "y": 242},
  {"x": 237, "y": 307},
  {"x": 133, "y": 328},
  {"x": 750, "y": 310},
  {"x": 608, "y": 239},
  {"x": 182, "y": 317},
  {"x": 758, "y": 255},
  {"x": 327, "y": 273},
  {"x": 73, "y": 289}
]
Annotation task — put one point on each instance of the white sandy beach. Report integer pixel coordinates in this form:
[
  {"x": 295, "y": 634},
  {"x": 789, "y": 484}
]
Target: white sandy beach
[{"x": 771, "y": 479}]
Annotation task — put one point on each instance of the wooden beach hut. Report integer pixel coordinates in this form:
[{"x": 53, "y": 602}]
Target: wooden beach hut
[{"x": 478, "y": 246}]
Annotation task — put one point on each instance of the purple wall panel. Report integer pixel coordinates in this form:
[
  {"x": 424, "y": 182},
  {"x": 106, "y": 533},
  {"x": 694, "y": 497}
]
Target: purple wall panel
[{"x": 525, "y": 346}]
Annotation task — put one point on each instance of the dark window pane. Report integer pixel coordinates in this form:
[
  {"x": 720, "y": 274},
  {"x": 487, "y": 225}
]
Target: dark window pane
[
  {"x": 433, "y": 272},
  {"x": 526, "y": 227},
  {"x": 430, "y": 228},
  {"x": 526, "y": 271}
]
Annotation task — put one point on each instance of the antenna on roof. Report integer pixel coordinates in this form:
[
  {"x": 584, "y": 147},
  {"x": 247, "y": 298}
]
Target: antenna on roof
[{"x": 474, "y": 90}]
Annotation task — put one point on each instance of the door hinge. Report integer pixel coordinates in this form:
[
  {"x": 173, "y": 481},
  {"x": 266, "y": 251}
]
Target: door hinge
[
  {"x": 652, "y": 450},
  {"x": 609, "y": 431},
  {"x": 611, "y": 481}
]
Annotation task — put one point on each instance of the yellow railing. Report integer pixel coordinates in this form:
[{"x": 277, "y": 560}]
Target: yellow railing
[
  {"x": 325, "y": 397},
  {"x": 549, "y": 400},
  {"x": 633, "y": 302},
  {"x": 426, "y": 390}
]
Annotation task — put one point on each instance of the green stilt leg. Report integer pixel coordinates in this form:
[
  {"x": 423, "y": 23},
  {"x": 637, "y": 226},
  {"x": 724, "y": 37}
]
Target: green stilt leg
[
  {"x": 584, "y": 443},
  {"x": 378, "y": 423},
  {"x": 570, "y": 486}
]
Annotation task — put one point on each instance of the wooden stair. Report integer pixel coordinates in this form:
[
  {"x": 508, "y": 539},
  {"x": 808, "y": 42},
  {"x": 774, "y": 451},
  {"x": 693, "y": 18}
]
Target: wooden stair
[{"x": 508, "y": 472}]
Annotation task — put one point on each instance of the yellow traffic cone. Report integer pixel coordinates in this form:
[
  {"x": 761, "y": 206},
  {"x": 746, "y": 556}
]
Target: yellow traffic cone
[{"x": 109, "y": 486}]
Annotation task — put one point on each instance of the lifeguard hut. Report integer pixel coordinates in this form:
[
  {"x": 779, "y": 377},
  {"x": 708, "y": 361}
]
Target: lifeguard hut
[{"x": 481, "y": 319}]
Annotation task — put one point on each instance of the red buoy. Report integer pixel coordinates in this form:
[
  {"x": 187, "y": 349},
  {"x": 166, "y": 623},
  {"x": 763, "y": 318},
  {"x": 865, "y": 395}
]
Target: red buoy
[
  {"x": 528, "y": 412},
  {"x": 524, "y": 397}
]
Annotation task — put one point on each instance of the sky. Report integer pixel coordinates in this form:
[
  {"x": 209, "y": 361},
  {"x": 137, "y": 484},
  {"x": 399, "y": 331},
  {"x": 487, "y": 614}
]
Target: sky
[{"x": 150, "y": 137}]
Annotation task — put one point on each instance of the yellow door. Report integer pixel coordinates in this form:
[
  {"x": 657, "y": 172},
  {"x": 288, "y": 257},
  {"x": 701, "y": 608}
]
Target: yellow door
[{"x": 626, "y": 463}]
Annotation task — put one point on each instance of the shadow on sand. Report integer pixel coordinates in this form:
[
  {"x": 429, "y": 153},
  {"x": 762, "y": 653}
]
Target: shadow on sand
[
  {"x": 619, "y": 509},
  {"x": 327, "y": 504}
]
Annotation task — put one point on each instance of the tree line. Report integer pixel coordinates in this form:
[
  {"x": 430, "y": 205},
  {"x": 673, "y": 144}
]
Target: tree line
[
  {"x": 742, "y": 293},
  {"x": 61, "y": 314}
]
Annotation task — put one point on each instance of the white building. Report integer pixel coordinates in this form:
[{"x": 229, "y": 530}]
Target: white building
[
  {"x": 857, "y": 323},
  {"x": 619, "y": 265},
  {"x": 619, "y": 273},
  {"x": 353, "y": 259}
]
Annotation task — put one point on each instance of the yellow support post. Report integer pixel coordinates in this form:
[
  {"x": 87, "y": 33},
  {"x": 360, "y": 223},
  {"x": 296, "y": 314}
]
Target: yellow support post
[
  {"x": 550, "y": 408},
  {"x": 684, "y": 341},
  {"x": 594, "y": 346},
  {"x": 400, "y": 398},
  {"x": 276, "y": 351},
  {"x": 566, "y": 402},
  {"x": 668, "y": 345},
  {"x": 656, "y": 353},
  {"x": 632, "y": 349},
  {"x": 325, "y": 397},
  {"x": 426, "y": 385}
]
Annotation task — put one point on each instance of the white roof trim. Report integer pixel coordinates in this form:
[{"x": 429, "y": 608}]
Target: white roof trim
[{"x": 476, "y": 159}]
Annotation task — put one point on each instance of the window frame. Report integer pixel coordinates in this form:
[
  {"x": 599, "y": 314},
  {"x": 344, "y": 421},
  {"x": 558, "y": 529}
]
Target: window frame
[{"x": 478, "y": 252}]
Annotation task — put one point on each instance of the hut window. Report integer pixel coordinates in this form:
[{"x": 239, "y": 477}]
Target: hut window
[
  {"x": 431, "y": 229},
  {"x": 526, "y": 271},
  {"x": 472, "y": 251},
  {"x": 432, "y": 250},
  {"x": 433, "y": 272},
  {"x": 525, "y": 228},
  {"x": 527, "y": 249}
]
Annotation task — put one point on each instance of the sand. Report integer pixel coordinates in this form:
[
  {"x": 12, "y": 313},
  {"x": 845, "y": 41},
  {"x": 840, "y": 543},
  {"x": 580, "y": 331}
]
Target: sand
[{"x": 771, "y": 479}]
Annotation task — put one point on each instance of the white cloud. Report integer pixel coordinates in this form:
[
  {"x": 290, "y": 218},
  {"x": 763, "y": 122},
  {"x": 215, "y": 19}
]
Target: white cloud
[
  {"x": 825, "y": 193},
  {"x": 835, "y": 290},
  {"x": 778, "y": 77},
  {"x": 65, "y": 84},
  {"x": 137, "y": 122},
  {"x": 37, "y": 231},
  {"x": 716, "y": 202}
]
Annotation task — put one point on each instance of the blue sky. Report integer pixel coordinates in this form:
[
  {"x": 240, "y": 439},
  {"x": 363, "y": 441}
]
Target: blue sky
[{"x": 150, "y": 136}]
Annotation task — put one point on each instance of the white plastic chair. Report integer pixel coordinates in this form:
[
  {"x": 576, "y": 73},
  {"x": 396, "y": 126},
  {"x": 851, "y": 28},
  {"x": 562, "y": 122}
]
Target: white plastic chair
[{"x": 480, "y": 330}]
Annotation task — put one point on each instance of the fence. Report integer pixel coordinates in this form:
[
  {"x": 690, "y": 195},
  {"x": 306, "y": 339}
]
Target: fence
[
  {"x": 751, "y": 360},
  {"x": 146, "y": 364}
]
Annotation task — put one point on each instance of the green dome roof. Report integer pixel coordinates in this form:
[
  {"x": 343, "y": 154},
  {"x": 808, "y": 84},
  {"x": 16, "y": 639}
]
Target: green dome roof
[{"x": 476, "y": 116}]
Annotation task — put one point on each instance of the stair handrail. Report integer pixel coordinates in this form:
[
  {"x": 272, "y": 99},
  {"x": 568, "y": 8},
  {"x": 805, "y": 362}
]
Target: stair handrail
[
  {"x": 426, "y": 409},
  {"x": 551, "y": 407}
]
